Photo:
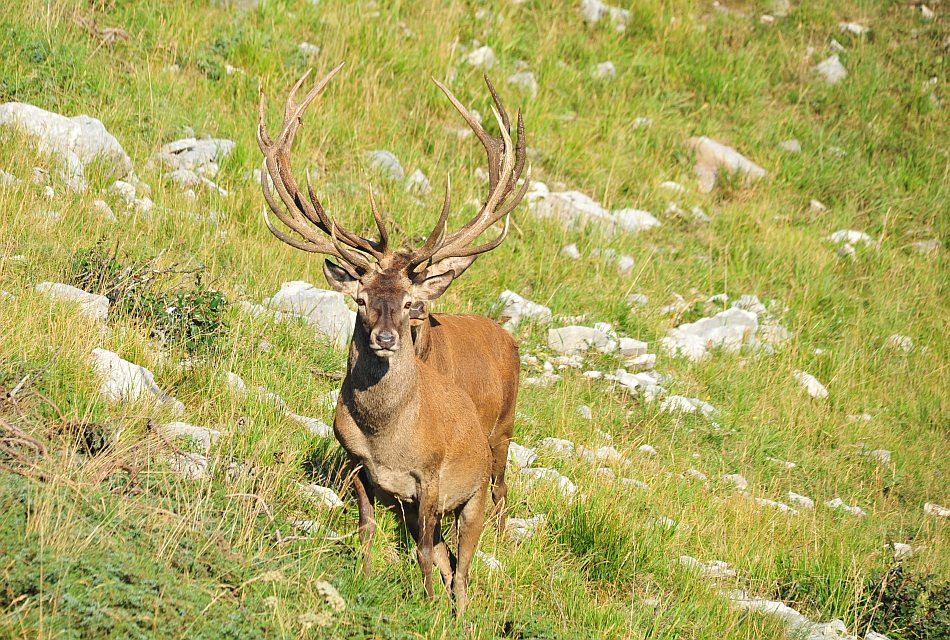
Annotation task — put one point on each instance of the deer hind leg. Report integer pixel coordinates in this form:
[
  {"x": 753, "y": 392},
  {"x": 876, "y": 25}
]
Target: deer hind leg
[
  {"x": 499, "y": 490},
  {"x": 444, "y": 558},
  {"x": 367, "y": 525},
  {"x": 471, "y": 519},
  {"x": 426, "y": 523}
]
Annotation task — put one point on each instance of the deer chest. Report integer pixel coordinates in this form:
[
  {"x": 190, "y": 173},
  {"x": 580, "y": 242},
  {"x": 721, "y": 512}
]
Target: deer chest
[{"x": 394, "y": 481}]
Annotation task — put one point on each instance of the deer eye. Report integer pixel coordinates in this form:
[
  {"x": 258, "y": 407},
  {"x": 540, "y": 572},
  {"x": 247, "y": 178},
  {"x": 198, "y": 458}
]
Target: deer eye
[
  {"x": 361, "y": 302},
  {"x": 408, "y": 305}
]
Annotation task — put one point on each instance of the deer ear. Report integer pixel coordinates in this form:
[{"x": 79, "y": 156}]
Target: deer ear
[
  {"x": 433, "y": 286},
  {"x": 340, "y": 280},
  {"x": 458, "y": 265}
]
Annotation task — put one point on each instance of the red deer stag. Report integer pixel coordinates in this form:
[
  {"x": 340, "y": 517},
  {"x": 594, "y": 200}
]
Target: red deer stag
[{"x": 415, "y": 437}]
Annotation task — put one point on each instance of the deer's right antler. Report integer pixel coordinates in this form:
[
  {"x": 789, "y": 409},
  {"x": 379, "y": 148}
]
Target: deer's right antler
[{"x": 300, "y": 213}]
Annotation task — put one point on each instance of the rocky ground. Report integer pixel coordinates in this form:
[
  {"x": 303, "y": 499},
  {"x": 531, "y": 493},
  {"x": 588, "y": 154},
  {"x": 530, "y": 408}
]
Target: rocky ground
[{"x": 728, "y": 279}]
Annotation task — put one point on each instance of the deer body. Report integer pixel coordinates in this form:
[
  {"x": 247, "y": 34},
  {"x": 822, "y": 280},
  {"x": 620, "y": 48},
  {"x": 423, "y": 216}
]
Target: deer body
[
  {"x": 425, "y": 434},
  {"x": 465, "y": 347}
]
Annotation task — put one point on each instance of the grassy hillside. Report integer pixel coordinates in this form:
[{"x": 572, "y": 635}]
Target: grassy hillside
[{"x": 100, "y": 538}]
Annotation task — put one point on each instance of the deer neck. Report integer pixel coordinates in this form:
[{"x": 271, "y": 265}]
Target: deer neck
[{"x": 382, "y": 393}]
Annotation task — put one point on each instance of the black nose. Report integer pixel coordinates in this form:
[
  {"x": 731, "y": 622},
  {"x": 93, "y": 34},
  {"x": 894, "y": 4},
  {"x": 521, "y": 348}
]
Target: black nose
[{"x": 386, "y": 339}]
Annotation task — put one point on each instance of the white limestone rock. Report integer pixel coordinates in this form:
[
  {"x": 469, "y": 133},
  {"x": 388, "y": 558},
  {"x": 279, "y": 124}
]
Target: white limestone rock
[
  {"x": 482, "y": 57},
  {"x": 75, "y": 141},
  {"x": 933, "y": 509},
  {"x": 900, "y": 343},
  {"x": 235, "y": 382},
  {"x": 418, "y": 184},
  {"x": 525, "y": 528},
  {"x": 803, "y": 502},
  {"x": 631, "y": 348},
  {"x": 713, "y": 157},
  {"x": 728, "y": 330},
  {"x": 635, "y": 220},
  {"x": 564, "y": 485},
  {"x": 625, "y": 264},
  {"x": 578, "y": 339},
  {"x": 7, "y": 179},
  {"x": 123, "y": 381},
  {"x": 737, "y": 480},
  {"x": 90, "y": 305},
  {"x": 792, "y": 146},
  {"x": 811, "y": 384},
  {"x": 520, "y": 456},
  {"x": 902, "y": 550},
  {"x": 852, "y": 237},
  {"x": 605, "y": 454},
  {"x": 526, "y": 81},
  {"x": 324, "y": 310},
  {"x": 386, "y": 163},
  {"x": 714, "y": 569},
  {"x": 593, "y": 11},
  {"x": 853, "y": 27},
  {"x": 317, "y": 427},
  {"x": 575, "y": 209},
  {"x": 775, "y": 504},
  {"x": 681, "y": 404},
  {"x": 570, "y": 251},
  {"x": 585, "y": 412},
  {"x": 308, "y": 49},
  {"x": 558, "y": 446},
  {"x": 201, "y": 156},
  {"x": 516, "y": 309},
  {"x": 604, "y": 71},
  {"x": 832, "y": 70},
  {"x": 191, "y": 466},
  {"x": 841, "y": 505},
  {"x": 201, "y": 435},
  {"x": 647, "y": 449},
  {"x": 322, "y": 496},
  {"x": 490, "y": 561}
]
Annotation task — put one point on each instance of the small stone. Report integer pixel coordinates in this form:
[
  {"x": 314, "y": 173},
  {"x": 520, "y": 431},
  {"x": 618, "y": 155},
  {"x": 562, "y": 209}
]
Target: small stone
[
  {"x": 640, "y": 485},
  {"x": 925, "y": 247},
  {"x": 104, "y": 209},
  {"x": 201, "y": 435},
  {"x": 853, "y": 27},
  {"x": 766, "y": 19},
  {"x": 604, "y": 71},
  {"x": 792, "y": 146},
  {"x": 386, "y": 163},
  {"x": 836, "y": 46},
  {"x": 625, "y": 264},
  {"x": 736, "y": 480},
  {"x": 695, "y": 474},
  {"x": 647, "y": 449},
  {"x": 525, "y": 528},
  {"x": 801, "y": 501},
  {"x": 593, "y": 11},
  {"x": 191, "y": 466},
  {"x": 638, "y": 299},
  {"x": 570, "y": 251},
  {"x": 712, "y": 569},
  {"x": 642, "y": 122},
  {"x": 526, "y": 81},
  {"x": 317, "y": 427},
  {"x": 881, "y": 455},
  {"x": 936, "y": 510},
  {"x": 323, "y": 496},
  {"x": 900, "y": 343},
  {"x": 577, "y": 339},
  {"x": 331, "y": 596},
  {"x": 846, "y": 251},
  {"x": 832, "y": 70},
  {"x": 811, "y": 384},
  {"x": 675, "y": 187},
  {"x": 482, "y": 58},
  {"x": 926, "y": 12},
  {"x": 418, "y": 184},
  {"x": 781, "y": 463},
  {"x": 519, "y": 456},
  {"x": 816, "y": 206},
  {"x": 902, "y": 550},
  {"x": 517, "y": 309},
  {"x": 8, "y": 179},
  {"x": 712, "y": 157},
  {"x": 308, "y": 49},
  {"x": 558, "y": 447},
  {"x": 490, "y": 561},
  {"x": 585, "y": 412},
  {"x": 841, "y": 505}
]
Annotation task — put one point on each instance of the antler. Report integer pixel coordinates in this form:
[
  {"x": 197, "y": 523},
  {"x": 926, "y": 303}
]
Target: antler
[
  {"x": 301, "y": 212},
  {"x": 506, "y": 163}
]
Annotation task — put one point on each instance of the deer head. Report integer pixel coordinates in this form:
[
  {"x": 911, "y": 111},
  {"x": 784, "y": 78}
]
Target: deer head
[{"x": 390, "y": 287}]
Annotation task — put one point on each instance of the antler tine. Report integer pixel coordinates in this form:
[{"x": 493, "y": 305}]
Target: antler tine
[
  {"x": 381, "y": 219},
  {"x": 488, "y": 246},
  {"x": 356, "y": 259},
  {"x": 435, "y": 240}
]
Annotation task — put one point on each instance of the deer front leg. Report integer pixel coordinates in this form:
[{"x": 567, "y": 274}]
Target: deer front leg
[
  {"x": 471, "y": 519},
  {"x": 367, "y": 525},
  {"x": 425, "y": 542}
]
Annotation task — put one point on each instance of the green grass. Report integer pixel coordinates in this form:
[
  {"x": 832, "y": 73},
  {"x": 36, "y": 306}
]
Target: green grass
[{"x": 80, "y": 556}]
